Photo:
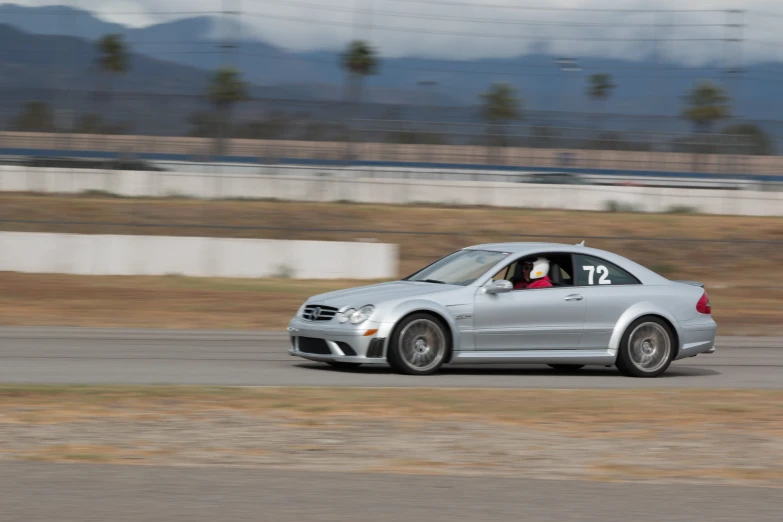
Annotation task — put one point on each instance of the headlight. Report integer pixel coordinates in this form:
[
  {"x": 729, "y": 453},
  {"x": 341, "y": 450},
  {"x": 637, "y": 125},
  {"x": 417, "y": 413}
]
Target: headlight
[
  {"x": 345, "y": 315},
  {"x": 361, "y": 315}
]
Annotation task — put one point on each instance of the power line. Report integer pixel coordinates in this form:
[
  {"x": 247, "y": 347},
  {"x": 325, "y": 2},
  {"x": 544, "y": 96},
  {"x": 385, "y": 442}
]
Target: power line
[
  {"x": 478, "y": 72},
  {"x": 113, "y": 13},
  {"x": 762, "y": 28},
  {"x": 558, "y": 8},
  {"x": 765, "y": 14},
  {"x": 287, "y": 56},
  {"x": 290, "y": 57},
  {"x": 474, "y": 20},
  {"x": 762, "y": 42},
  {"x": 278, "y": 101},
  {"x": 474, "y": 35},
  {"x": 468, "y": 34}
]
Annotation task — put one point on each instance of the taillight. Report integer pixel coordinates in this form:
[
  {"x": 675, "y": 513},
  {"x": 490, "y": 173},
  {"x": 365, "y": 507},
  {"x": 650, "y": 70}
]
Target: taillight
[{"x": 703, "y": 306}]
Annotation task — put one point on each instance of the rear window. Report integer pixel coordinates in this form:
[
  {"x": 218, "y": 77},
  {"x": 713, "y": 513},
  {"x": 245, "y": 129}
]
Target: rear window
[{"x": 592, "y": 271}]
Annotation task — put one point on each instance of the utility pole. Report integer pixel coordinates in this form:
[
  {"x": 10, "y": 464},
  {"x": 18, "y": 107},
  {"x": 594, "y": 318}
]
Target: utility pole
[
  {"x": 656, "y": 61},
  {"x": 225, "y": 44},
  {"x": 732, "y": 65},
  {"x": 227, "y": 49},
  {"x": 568, "y": 64},
  {"x": 733, "y": 60}
]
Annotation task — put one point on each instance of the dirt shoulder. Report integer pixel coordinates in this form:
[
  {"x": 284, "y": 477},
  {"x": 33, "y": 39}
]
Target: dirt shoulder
[
  {"x": 423, "y": 232},
  {"x": 740, "y": 277},
  {"x": 709, "y": 437},
  {"x": 250, "y": 304}
]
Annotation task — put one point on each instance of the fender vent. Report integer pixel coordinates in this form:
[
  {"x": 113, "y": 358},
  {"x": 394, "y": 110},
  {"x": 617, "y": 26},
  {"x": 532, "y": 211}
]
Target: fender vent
[
  {"x": 346, "y": 348},
  {"x": 375, "y": 350}
]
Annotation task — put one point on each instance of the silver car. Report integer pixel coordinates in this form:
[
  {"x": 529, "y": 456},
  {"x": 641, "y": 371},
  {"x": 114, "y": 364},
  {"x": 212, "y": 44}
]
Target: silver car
[{"x": 598, "y": 308}]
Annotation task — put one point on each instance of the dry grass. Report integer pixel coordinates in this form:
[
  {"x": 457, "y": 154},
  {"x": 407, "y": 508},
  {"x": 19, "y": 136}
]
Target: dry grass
[
  {"x": 587, "y": 412},
  {"x": 197, "y": 303},
  {"x": 715, "y": 436},
  {"x": 690, "y": 473},
  {"x": 155, "y": 302},
  {"x": 745, "y": 293},
  {"x": 465, "y": 225},
  {"x": 74, "y": 453}
]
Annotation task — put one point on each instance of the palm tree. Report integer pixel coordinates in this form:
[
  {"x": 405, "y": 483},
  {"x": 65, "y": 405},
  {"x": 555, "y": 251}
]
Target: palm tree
[
  {"x": 752, "y": 140},
  {"x": 225, "y": 89},
  {"x": 35, "y": 117},
  {"x": 600, "y": 87},
  {"x": 707, "y": 103},
  {"x": 359, "y": 60},
  {"x": 500, "y": 106},
  {"x": 112, "y": 60}
]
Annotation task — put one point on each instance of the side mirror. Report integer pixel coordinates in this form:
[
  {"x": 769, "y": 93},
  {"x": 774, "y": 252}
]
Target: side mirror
[{"x": 500, "y": 287}]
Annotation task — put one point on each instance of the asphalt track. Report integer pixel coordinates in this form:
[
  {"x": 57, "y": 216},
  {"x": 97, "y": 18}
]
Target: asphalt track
[
  {"x": 121, "y": 356},
  {"x": 39, "y": 492}
]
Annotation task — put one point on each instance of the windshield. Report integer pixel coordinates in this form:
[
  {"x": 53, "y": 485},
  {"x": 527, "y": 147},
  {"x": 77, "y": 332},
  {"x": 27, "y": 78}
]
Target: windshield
[{"x": 460, "y": 268}]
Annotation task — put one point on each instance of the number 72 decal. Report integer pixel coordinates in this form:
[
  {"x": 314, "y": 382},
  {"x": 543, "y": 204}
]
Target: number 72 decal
[{"x": 601, "y": 270}]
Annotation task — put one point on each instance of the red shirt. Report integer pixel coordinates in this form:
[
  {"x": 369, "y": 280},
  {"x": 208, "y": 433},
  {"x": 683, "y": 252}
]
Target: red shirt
[{"x": 544, "y": 282}]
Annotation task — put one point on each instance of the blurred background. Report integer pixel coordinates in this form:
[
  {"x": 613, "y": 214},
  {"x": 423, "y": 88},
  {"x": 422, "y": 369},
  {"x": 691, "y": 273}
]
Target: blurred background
[
  {"x": 428, "y": 82},
  {"x": 314, "y": 120},
  {"x": 323, "y": 116},
  {"x": 211, "y": 164}
]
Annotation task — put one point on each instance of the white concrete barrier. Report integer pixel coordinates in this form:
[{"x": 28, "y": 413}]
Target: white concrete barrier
[
  {"x": 88, "y": 254},
  {"x": 294, "y": 183}
]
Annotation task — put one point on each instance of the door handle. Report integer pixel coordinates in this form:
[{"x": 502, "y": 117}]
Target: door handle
[{"x": 574, "y": 297}]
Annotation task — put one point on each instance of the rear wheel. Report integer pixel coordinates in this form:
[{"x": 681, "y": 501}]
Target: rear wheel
[
  {"x": 646, "y": 349},
  {"x": 418, "y": 345}
]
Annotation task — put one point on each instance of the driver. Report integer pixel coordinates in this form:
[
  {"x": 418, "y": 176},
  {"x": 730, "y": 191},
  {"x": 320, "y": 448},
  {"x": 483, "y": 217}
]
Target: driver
[{"x": 535, "y": 274}]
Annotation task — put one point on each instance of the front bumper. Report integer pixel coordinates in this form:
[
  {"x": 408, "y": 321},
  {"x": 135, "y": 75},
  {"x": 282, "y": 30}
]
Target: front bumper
[{"x": 329, "y": 341}]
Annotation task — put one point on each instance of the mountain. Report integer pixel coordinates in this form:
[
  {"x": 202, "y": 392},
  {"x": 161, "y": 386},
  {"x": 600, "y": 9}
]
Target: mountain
[
  {"x": 177, "y": 56},
  {"x": 57, "y": 20},
  {"x": 157, "y": 95},
  {"x": 154, "y": 96},
  {"x": 35, "y": 61}
]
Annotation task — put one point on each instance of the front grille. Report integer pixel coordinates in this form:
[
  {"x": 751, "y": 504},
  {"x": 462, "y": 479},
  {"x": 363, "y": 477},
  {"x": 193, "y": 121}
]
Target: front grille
[
  {"x": 314, "y": 346},
  {"x": 318, "y": 313}
]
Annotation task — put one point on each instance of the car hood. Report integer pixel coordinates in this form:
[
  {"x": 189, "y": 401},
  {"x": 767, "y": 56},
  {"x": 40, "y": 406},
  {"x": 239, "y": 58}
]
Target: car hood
[{"x": 375, "y": 294}]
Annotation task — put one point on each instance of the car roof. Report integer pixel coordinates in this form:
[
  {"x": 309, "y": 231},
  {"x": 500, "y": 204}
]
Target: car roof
[{"x": 519, "y": 247}]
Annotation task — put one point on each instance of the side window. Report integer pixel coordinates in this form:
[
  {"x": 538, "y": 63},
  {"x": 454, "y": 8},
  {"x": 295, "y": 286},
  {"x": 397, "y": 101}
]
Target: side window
[
  {"x": 504, "y": 273},
  {"x": 591, "y": 271},
  {"x": 560, "y": 269}
]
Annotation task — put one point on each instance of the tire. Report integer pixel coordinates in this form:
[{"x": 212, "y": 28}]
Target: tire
[
  {"x": 343, "y": 365},
  {"x": 567, "y": 367},
  {"x": 646, "y": 349},
  {"x": 419, "y": 345}
]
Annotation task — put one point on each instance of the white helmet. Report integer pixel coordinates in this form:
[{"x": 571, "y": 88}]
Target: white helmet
[{"x": 540, "y": 268}]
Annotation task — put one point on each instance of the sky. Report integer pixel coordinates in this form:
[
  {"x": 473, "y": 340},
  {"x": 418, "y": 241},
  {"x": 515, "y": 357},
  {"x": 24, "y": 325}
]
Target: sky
[{"x": 468, "y": 29}]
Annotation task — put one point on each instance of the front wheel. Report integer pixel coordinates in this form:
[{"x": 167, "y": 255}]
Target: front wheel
[
  {"x": 646, "y": 349},
  {"x": 418, "y": 345}
]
